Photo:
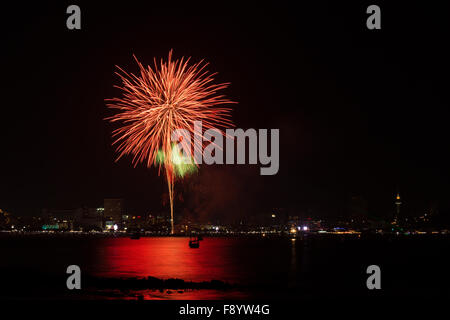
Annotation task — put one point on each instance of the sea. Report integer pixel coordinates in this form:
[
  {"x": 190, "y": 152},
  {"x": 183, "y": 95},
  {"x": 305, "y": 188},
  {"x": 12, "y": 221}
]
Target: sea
[{"x": 35, "y": 267}]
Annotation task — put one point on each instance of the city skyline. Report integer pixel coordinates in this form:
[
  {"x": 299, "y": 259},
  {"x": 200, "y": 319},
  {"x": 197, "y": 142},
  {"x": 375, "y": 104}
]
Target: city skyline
[
  {"x": 363, "y": 138},
  {"x": 115, "y": 215},
  {"x": 220, "y": 159}
]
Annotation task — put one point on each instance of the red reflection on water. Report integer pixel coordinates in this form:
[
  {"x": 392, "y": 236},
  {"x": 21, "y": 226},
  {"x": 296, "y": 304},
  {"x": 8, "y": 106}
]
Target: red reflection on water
[
  {"x": 204, "y": 294},
  {"x": 166, "y": 258}
]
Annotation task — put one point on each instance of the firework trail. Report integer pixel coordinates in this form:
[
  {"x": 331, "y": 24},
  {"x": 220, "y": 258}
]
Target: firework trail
[{"x": 160, "y": 99}]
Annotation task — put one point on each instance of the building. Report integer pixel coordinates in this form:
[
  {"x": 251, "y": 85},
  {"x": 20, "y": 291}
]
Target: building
[
  {"x": 59, "y": 219},
  {"x": 398, "y": 203},
  {"x": 113, "y": 211},
  {"x": 80, "y": 219},
  {"x": 88, "y": 219}
]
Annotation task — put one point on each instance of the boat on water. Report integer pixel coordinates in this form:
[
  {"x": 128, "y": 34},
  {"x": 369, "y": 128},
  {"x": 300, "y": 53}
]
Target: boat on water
[{"x": 194, "y": 243}]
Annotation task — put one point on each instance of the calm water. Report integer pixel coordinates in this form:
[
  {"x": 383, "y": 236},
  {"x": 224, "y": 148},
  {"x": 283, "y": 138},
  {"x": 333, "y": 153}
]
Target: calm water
[
  {"x": 230, "y": 260},
  {"x": 273, "y": 268}
]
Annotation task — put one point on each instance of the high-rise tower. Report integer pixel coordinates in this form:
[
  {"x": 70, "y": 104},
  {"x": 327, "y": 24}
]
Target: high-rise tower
[{"x": 398, "y": 203}]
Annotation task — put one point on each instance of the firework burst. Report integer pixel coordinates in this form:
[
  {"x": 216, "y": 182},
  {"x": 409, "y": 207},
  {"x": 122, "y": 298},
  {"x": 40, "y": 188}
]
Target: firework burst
[{"x": 160, "y": 99}]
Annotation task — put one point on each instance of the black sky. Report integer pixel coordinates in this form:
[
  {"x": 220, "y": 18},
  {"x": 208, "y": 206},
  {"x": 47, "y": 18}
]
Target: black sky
[{"x": 360, "y": 113}]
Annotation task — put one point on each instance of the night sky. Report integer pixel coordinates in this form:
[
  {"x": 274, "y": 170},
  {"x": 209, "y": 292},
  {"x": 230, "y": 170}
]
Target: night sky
[{"x": 361, "y": 113}]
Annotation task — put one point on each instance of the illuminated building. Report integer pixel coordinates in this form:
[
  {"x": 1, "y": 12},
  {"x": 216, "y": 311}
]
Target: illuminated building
[
  {"x": 62, "y": 218},
  {"x": 398, "y": 203},
  {"x": 113, "y": 211},
  {"x": 82, "y": 218}
]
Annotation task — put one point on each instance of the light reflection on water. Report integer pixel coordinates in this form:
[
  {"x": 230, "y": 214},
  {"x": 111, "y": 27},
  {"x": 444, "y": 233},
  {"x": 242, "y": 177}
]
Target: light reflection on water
[
  {"x": 217, "y": 259},
  {"x": 276, "y": 267},
  {"x": 203, "y": 294},
  {"x": 236, "y": 261}
]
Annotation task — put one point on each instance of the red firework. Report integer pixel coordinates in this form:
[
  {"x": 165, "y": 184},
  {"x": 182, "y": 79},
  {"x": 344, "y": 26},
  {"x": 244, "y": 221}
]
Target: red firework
[{"x": 157, "y": 101}]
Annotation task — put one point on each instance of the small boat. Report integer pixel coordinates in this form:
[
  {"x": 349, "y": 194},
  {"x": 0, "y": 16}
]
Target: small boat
[{"x": 194, "y": 243}]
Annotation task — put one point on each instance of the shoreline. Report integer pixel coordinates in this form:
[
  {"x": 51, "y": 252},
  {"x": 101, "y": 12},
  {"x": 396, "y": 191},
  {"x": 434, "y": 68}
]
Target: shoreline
[{"x": 262, "y": 236}]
